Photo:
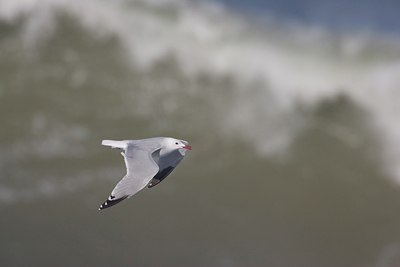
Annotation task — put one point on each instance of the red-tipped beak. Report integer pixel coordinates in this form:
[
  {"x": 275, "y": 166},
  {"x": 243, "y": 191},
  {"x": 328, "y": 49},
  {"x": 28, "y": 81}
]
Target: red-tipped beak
[{"x": 187, "y": 147}]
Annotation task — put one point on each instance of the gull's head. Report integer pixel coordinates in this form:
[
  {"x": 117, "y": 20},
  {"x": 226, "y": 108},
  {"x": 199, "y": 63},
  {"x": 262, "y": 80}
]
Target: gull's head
[{"x": 176, "y": 144}]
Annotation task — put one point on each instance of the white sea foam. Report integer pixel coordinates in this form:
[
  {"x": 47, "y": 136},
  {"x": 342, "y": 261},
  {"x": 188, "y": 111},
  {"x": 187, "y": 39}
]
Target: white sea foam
[
  {"x": 291, "y": 65},
  {"x": 51, "y": 186}
]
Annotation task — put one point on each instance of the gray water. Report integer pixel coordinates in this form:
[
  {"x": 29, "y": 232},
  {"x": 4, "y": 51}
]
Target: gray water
[{"x": 294, "y": 130}]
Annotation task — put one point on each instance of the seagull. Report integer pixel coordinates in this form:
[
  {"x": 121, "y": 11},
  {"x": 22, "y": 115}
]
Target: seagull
[{"x": 148, "y": 162}]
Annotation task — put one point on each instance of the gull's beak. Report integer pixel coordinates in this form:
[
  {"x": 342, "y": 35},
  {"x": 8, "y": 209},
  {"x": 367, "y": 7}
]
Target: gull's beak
[{"x": 187, "y": 147}]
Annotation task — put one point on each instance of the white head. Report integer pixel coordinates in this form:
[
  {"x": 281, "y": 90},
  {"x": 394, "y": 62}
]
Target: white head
[{"x": 176, "y": 144}]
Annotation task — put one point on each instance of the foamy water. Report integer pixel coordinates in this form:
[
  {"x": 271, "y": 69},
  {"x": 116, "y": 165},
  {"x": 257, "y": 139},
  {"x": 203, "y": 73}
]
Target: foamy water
[
  {"x": 290, "y": 66},
  {"x": 289, "y": 124}
]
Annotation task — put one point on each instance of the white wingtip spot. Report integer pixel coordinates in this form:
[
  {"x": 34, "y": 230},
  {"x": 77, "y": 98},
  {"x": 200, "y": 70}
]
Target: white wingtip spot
[{"x": 106, "y": 203}]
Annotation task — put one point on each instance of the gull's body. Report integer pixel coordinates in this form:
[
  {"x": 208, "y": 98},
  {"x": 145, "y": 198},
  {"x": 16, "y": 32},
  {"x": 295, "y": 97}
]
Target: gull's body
[{"x": 148, "y": 162}]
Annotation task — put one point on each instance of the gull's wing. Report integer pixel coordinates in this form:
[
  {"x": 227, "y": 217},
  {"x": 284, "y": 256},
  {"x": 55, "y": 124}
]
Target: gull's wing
[
  {"x": 161, "y": 175},
  {"x": 140, "y": 169},
  {"x": 166, "y": 164}
]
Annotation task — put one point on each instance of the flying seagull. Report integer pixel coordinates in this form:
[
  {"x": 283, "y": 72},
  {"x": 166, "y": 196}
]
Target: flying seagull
[{"x": 148, "y": 162}]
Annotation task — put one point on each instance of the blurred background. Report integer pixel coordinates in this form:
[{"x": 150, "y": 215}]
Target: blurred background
[{"x": 291, "y": 108}]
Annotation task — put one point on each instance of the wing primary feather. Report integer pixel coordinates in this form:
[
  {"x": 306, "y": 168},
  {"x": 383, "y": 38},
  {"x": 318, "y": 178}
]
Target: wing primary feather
[
  {"x": 161, "y": 175},
  {"x": 111, "y": 201}
]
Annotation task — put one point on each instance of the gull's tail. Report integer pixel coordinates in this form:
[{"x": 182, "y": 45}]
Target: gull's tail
[{"x": 115, "y": 144}]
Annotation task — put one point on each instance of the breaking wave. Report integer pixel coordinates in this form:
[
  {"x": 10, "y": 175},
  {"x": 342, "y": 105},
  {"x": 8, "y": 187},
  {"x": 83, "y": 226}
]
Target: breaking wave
[{"x": 259, "y": 80}]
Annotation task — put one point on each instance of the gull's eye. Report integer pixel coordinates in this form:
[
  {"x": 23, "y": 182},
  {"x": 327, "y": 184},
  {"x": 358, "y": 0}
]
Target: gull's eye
[{"x": 176, "y": 143}]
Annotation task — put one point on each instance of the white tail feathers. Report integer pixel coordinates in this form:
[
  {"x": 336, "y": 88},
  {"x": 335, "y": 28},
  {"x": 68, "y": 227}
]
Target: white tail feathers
[{"x": 114, "y": 144}]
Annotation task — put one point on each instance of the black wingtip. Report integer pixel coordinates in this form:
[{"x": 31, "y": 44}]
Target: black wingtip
[
  {"x": 161, "y": 175},
  {"x": 111, "y": 201}
]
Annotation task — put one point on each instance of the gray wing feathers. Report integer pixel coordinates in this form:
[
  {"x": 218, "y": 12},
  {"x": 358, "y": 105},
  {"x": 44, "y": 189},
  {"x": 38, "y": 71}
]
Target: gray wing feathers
[
  {"x": 166, "y": 165},
  {"x": 140, "y": 169}
]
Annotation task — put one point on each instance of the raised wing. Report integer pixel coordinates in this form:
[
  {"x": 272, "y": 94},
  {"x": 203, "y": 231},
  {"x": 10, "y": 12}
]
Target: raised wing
[
  {"x": 167, "y": 164},
  {"x": 140, "y": 169},
  {"x": 160, "y": 176}
]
